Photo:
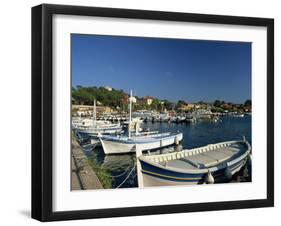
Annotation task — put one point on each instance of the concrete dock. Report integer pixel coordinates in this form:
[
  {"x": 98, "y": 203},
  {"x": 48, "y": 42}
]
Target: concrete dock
[{"x": 83, "y": 176}]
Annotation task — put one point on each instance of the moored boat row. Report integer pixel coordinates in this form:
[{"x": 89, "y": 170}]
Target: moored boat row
[
  {"x": 209, "y": 164},
  {"x": 94, "y": 127},
  {"x": 127, "y": 143},
  {"x": 118, "y": 140}
]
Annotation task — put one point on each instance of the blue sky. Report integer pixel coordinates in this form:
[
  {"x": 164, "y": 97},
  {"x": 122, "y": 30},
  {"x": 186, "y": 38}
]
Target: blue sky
[{"x": 173, "y": 69}]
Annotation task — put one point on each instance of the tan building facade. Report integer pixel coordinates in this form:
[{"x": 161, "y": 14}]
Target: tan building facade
[{"x": 87, "y": 110}]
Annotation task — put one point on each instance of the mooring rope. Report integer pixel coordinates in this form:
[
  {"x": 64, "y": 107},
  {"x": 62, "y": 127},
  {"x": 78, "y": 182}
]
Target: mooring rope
[
  {"x": 126, "y": 177},
  {"x": 94, "y": 146},
  {"x": 89, "y": 146},
  {"x": 119, "y": 175}
]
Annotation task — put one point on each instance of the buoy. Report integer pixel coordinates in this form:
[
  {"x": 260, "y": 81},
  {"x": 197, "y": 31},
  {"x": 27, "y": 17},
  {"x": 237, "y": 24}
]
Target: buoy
[
  {"x": 227, "y": 173},
  {"x": 209, "y": 178}
]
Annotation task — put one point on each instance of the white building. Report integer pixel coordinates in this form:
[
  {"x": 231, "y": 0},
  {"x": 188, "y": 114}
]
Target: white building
[
  {"x": 108, "y": 88},
  {"x": 148, "y": 100},
  {"x": 134, "y": 100}
]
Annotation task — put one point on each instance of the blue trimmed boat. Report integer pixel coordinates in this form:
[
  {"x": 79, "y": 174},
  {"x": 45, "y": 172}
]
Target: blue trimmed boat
[{"x": 209, "y": 164}]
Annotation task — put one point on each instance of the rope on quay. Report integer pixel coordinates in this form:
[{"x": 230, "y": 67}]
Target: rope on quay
[
  {"x": 119, "y": 175},
  {"x": 94, "y": 146},
  {"x": 126, "y": 177}
]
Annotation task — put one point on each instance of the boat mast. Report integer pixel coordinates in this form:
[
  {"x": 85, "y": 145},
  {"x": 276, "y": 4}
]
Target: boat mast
[
  {"x": 94, "y": 114},
  {"x": 130, "y": 114}
]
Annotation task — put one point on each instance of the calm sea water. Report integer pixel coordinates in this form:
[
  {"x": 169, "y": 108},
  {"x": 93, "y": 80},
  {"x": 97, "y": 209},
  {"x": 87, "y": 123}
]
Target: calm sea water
[{"x": 194, "y": 135}]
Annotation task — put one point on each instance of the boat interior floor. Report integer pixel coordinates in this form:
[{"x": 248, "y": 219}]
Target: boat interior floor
[{"x": 205, "y": 159}]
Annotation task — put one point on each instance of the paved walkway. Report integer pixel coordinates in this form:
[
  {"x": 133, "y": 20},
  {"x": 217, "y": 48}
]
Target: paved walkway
[{"x": 83, "y": 176}]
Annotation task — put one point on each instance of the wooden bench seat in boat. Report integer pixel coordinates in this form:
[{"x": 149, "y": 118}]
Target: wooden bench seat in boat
[
  {"x": 218, "y": 156},
  {"x": 204, "y": 159},
  {"x": 181, "y": 164},
  {"x": 232, "y": 150}
]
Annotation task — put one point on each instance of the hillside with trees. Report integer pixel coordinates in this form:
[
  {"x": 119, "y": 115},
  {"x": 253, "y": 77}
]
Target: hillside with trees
[
  {"x": 118, "y": 100},
  {"x": 87, "y": 95}
]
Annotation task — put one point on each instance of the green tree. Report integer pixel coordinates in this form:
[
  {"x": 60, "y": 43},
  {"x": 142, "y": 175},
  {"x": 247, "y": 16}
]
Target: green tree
[
  {"x": 86, "y": 95},
  {"x": 248, "y": 103},
  {"x": 217, "y": 103},
  {"x": 168, "y": 105}
]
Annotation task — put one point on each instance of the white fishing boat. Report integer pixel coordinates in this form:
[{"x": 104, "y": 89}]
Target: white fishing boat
[
  {"x": 79, "y": 121},
  {"x": 239, "y": 115},
  {"x": 98, "y": 127},
  {"x": 134, "y": 120},
  {"x": 144, "y": 140},
  {"x": 208, "y": 164},
  {"x": 88, "y": 122},
  {"x": 125, "y": 144},
  {"x": 104, "y": 129},
  {"x": 202, "y": 114}
]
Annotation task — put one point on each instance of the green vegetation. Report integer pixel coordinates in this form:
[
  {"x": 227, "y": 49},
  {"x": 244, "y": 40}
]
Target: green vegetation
[
  {"x": 248, "y": 103},
  {"x": 222, "y": 106},
  {"x": 103, "y": 174},
  {"x": 157, "y": 105},
  {"x": 115, "y": 99},
  {"x": 168, "y": 105},
  {"x": 180, "y": 103},
  {"x": 87, "y": 95},
  {"x": 118, "y": 100}
]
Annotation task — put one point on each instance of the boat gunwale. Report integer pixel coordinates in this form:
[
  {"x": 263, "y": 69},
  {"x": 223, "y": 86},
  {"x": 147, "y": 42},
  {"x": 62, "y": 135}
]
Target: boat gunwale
[
  {"x": 135, "y": 141},
  {"x": 112, "y": 126}
]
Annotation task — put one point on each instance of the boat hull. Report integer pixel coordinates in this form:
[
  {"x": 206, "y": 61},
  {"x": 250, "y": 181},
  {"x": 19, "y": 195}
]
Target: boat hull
[
  {"x": 97, "y": 131},
  {"x": 95, "y": 140},
  {"x": 117, "y": 147},
  {"x": 155, "y": 173},
  {"x": 151, "y": 178}
]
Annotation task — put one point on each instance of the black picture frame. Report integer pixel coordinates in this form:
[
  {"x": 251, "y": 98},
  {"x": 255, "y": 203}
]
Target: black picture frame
[{"x": 42, "y": 111}]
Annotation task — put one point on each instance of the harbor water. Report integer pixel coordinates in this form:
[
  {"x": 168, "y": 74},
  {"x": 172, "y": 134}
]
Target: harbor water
[{"x": 195, "y": 135}]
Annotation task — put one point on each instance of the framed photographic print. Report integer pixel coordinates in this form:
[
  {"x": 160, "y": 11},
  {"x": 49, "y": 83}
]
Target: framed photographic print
[{"x": 146, "y": 112}]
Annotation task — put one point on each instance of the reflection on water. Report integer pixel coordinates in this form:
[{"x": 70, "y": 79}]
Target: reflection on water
[{"x": 194, "y": 135}]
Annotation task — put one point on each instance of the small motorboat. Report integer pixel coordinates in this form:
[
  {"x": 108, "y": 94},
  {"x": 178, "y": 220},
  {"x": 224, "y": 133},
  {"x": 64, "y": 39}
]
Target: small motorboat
[{"x": 209, "y": 164}]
